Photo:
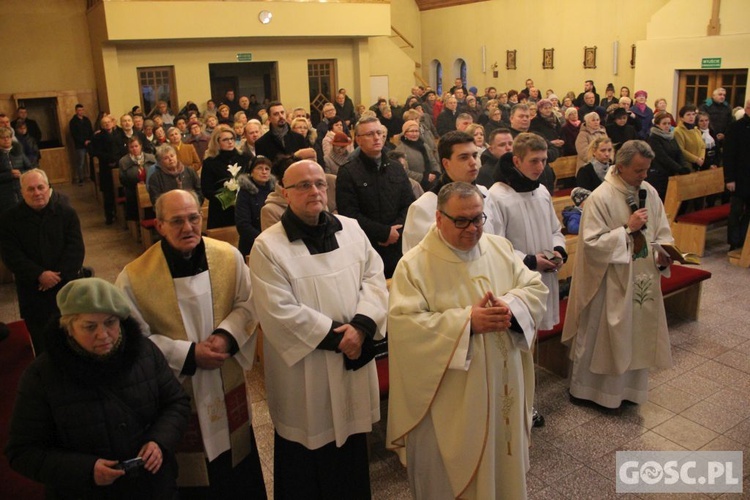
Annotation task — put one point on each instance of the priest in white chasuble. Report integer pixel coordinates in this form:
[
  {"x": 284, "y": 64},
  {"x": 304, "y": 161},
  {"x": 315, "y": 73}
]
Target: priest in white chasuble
[
  {"x": 320, "y": 294},
  {"x": 463, "y": 312},
  {"x": 616, "y": 325},
  {"x": 191, "y": 296}
]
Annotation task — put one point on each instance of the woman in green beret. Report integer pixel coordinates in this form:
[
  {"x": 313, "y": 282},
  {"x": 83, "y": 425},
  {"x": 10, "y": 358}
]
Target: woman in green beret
[{"x": 99, "y": 414}]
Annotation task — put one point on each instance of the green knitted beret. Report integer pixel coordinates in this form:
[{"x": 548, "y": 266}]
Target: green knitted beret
[{"x": 90, "y": 296}]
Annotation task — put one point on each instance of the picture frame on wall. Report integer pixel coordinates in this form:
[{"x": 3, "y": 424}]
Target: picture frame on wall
[
  {"x": 632, "y": 56},
  {"x": 548, "y": 58},
  {"x": 589, "y": 57},
  {"x": 510, "y": 59}
]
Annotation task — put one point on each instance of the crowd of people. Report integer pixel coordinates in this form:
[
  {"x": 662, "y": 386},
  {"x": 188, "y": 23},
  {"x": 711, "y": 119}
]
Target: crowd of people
[{"x": 449, "y": 197}]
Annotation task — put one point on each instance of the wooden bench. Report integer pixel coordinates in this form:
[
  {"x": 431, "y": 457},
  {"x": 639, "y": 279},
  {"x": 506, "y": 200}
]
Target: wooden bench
[
  {"x": 689, "y": 230},
  {"x": 120, "y": 209},
  {"x": 571, "y": 240},
  {"x": 228, "y": 234},
  {"x": 682, "y": 296},
  {"x": 741, "y": 256},
  {"x": 146, "y": 218},
  {"x": 564, "y": 168}
]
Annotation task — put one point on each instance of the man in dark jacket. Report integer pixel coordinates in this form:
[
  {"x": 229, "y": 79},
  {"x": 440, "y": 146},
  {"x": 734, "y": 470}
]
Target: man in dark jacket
[
  {"x": 42, "y": 245},
  {"x": 107, "y": 147},
  {"x": 82, "y": 132},
  {"x": 446, "y": 121},
  {"x": 375, "y": 192},
  {"x": 280, "y": 140},
  {"x": 588, "y": 86},
  {"x": 737, "y": 177},
  {"x": 31, "y": 125},
  {"x": 719, "y": 113},
  {"x": 499, "y": 142}
]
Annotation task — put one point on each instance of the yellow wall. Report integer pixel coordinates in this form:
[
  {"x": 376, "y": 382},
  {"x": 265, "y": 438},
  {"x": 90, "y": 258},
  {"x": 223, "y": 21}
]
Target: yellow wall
[
  {"x": 208, "y": 19},
  {"x": 191, "y": 59},
  {"x": 45, "y": 46},
  {"x": 660, "y": 57},
  {"x": 530, "y": 26}
]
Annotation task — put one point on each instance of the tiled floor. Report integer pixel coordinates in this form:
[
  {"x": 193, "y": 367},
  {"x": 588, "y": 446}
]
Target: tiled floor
[{"x": 702, "y": 403}]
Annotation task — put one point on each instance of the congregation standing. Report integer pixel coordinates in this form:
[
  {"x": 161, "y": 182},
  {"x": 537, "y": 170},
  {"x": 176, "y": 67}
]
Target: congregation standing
[{"x": 450, "y": 196}]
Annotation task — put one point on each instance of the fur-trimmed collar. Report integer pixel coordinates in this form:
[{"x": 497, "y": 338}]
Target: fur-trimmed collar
[
  {"x": 90, "y": 370},
  {"x": 248, "y": 185}
]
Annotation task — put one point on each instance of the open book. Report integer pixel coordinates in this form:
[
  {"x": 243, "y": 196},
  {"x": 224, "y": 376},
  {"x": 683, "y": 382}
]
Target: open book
[{"x": 677, "y": 255}]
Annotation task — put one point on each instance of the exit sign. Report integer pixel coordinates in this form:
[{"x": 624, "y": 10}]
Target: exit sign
[
  {"x": 711, "y": 63},
  {"x": 247, "y": 57}
]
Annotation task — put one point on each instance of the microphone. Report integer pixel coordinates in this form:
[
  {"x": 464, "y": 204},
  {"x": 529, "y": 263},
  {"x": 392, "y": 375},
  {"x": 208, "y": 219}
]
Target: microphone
[
  {"x": 630, "y": 200},
  {"x": 642, "y": 193}
]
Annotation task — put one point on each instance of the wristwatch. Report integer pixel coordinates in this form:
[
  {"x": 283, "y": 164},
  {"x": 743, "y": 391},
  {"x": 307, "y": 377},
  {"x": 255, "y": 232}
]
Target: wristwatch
[{"x": 627, "y": 229}]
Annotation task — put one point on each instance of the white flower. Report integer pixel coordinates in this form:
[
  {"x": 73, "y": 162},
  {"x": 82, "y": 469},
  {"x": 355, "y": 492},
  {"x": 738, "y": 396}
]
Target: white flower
[
  {"x": 234, "y": 170},
  {"x": 231, "y": 184}
]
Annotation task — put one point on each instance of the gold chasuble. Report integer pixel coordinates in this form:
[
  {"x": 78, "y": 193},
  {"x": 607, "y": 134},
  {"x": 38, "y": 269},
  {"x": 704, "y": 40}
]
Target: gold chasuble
[{"x": 154, "y": 290}]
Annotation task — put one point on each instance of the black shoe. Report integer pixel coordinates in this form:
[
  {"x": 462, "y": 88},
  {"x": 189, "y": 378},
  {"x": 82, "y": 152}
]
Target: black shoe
[
  {"x": 4, "y": 331},
  {"x": 537, "y": 419}
]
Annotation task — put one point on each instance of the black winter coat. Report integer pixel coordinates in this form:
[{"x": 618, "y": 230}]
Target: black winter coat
[
  {"x": 250, "y": 201},
  {"x": 213, "y": 175},
  {"x": 377, "y": 198},
  {"x": 73, "y": 410},
  {"x": 270, "y": 146},
  {"x": 33, "y": 242},
  {"x": 737, "y": 156}
]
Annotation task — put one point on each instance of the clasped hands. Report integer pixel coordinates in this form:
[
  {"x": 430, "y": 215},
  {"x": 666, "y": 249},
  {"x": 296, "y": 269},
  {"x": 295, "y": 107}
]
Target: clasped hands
[
  {"x": 211, "y": 353},
  {"x": 351, "y": 343},
  {"x": 490, "y": 314}
]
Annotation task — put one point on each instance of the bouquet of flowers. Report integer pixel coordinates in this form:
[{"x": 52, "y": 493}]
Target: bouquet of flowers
[{"x": 227, "y": 195}]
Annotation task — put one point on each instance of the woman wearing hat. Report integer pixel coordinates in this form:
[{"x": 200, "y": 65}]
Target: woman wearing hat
[
  {"x": 643, "y": 114},
  {"x": 618, "y": 129},
  {"x": 100, "y": 396},
  {"x": 609, "y": 97},
  {"x": 341, "y": 148},
  {"x": 423, "y": 166},
  {"x": 254, "y": 189}
]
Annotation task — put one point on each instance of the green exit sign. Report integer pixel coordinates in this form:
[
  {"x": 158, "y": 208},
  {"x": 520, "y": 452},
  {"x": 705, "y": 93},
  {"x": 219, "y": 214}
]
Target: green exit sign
[
  {"x": 247, "y": 57},
  {"x": 711, "y": 63}
]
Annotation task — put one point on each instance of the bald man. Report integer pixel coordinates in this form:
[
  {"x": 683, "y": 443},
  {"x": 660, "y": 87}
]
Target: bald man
[
  {"x": 320, "y": 295},
  {"x": 191, "y": 297}
]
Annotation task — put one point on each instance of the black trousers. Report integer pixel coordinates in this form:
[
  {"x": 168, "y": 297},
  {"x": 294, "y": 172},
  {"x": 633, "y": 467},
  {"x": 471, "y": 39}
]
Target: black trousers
[
  {"x": 739, "y": 215},
  {"x": 243, "y": 481},
  {"x": 326, "y": 473}
]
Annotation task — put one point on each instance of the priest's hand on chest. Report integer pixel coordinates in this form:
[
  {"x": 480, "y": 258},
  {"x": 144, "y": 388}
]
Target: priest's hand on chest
[{"x": 490, "y": 314}]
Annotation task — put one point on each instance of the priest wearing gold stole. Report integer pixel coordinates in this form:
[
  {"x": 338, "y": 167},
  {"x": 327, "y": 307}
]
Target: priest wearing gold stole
[
  {"x": 192, "y": 297},
  {"x": 463, "y": 312},
  {"x": 616, "y": 326}
]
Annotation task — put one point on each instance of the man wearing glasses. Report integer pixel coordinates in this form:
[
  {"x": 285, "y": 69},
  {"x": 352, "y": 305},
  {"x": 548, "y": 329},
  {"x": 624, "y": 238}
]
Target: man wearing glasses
[
  {"x": 375, "y": 192},
  {"x": 320, "y": 295},
  {"x": 191, "y": 296},
  {"x": 463, "y": 311}
]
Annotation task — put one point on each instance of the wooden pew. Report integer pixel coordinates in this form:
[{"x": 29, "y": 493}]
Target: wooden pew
[
  {"x": 689, "y": 230},
  {"x": 120, "y": 210},
  {"x": 228, "y": 234},
  {"x": 564, "y": 168},
  {"x": 571, "y": 240},
  {"x": 741, "y": 256},
  {"x": 146, "y": 217}
]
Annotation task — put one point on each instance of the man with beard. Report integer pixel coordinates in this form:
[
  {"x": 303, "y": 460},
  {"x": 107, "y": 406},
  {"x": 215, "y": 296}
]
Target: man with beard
[{"x": 280, "y": 140}]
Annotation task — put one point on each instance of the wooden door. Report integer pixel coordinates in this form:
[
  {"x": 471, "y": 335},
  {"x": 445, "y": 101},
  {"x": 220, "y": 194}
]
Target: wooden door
[
  {"x": 697, "y": 85},
  {"x": 321, "y": 75}
]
